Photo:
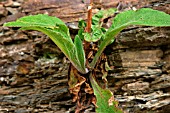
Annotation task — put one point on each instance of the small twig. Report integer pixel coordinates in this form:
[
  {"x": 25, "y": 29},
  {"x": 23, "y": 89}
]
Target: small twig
[
  {"x": 89, "y": 17},
  {"x": 89, "y": 23},
  {"x": 88, "y": 28}
]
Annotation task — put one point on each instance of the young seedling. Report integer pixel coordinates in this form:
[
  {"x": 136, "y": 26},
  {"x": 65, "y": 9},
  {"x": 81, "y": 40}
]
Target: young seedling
[{"x": 86, "y": 51}]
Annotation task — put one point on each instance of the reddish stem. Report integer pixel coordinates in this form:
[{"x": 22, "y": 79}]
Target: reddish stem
[
  {"x": 88, "y": 28},
  {"x": 89, "y": 17}
]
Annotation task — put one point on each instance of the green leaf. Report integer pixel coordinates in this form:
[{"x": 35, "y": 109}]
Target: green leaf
[
  {"x": 80, "y": 33},
  {"x": 144, "y": 16},
  {"x": 105, "y": 100},
  {"x": 81, "y": 24},
  {"x": 57, "y": 31},
  {"x": 87, "y": 37},
  {"x": 80, "y": 51},
  {"x": 96, "y": 34},
  {"x": 41, "y": 20},
  {"x": 102, "y": 14}
]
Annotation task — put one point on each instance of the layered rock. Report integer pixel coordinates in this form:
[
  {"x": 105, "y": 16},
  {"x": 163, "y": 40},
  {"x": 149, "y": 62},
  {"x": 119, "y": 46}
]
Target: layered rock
[
  {"x": 33, "y": 71},
  {"x": 141, "y": 77}
]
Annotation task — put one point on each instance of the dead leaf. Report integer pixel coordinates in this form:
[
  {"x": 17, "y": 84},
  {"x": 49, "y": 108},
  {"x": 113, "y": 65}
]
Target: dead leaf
[
  {"x": 88, "y": 89},
  {"x": 75, "y": 82}
]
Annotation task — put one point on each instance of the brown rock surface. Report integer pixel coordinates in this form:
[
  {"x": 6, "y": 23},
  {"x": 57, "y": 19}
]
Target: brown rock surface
[{"x": 33, "y": 71}]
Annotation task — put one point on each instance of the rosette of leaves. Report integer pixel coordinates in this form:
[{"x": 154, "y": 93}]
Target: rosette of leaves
[{"x": 59, "y": 34}]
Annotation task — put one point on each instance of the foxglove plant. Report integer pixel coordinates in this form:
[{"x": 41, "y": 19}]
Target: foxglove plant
[{"x": 82, "y": 72}]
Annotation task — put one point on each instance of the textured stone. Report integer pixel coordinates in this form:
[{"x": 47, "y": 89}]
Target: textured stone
[
  {"x": 146, "y": 36},
  {"x": 3, "y": 11},
  {"x": 33, "y": 71},
  {"x": 139, "y": 85},
  {"x": 139, "y": 58},
  {"x": 151, "y": 101}
]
